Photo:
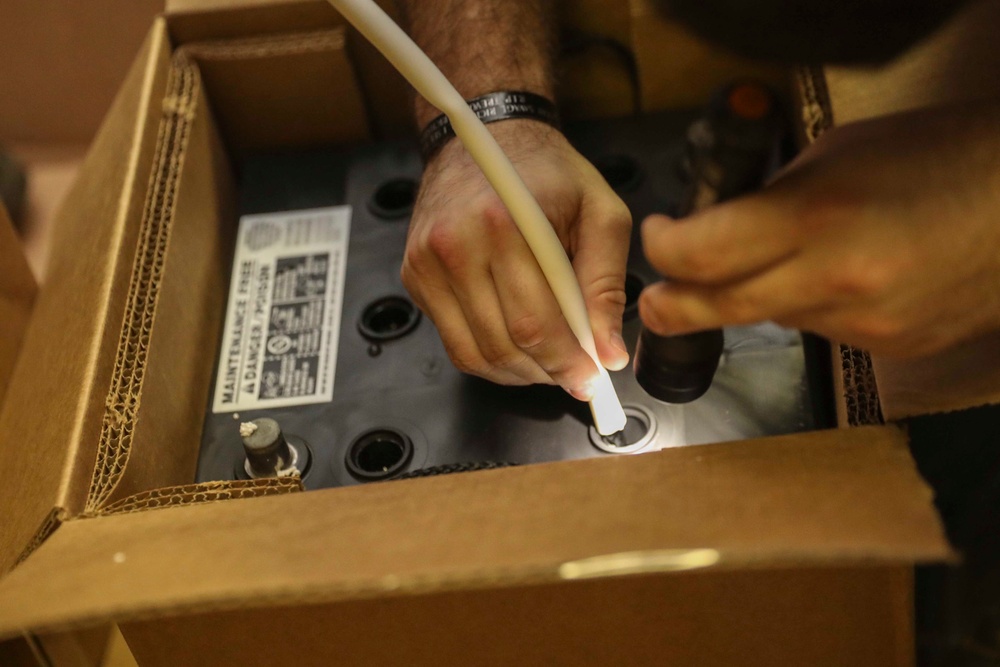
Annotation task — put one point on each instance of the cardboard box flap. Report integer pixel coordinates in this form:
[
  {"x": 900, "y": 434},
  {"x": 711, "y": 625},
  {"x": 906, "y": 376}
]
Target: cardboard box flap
[
  {"x": 322, "y": 104},
  {"x": 201, "y": 20},
  {"x": 964, "y": 376},
  {"x": 49, "y": 454},
  {"x": 63, "y": 63},
  {"x": 956, "y": 65},
  {"x": 388, "y": 96},
  {"x": 827, "y": 497}
]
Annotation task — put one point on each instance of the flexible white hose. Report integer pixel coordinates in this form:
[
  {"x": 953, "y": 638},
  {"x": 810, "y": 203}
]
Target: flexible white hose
[{"x": 424, "y": 75}]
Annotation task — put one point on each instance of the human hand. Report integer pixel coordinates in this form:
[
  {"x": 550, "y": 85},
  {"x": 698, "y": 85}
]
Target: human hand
[
  {"x": 884, "y": 234},
  {"x": 470, "y": 270}
]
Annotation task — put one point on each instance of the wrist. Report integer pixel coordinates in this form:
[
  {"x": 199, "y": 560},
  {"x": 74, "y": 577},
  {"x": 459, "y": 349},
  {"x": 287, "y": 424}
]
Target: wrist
[
  {"x": 521, "y": 141},
  {"x": 425, "y": 112},
  {"x": 494, "y": 108}
]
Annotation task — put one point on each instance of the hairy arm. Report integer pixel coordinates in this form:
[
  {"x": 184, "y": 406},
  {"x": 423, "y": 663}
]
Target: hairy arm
[
  {"x": 484, "y": 45},
  {"x": 466, "y": 264}
]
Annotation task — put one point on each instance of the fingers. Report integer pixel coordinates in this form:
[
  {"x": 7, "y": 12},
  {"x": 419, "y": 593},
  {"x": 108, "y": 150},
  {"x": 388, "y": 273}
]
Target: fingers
[
  {"x": 493, "y": 308},
  {"x": 471, "y": 271},
  {"x": 439, "y": 303},
  {"x": 600, "y": 262},
  {"x": 535, "y": 325},
  {"x": 721, "y": 243},
  {"x": 782, "y": 293},
  {"x": 449, "y": 270}
]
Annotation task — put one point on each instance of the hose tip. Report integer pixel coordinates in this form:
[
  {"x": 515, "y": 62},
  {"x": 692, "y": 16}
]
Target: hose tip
[{"x": 609, "y": 417}]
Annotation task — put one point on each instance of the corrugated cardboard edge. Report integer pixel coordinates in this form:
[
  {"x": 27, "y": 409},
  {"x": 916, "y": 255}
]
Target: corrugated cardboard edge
[
  {"x": 125, "y": 393},
  {"x": 817, "y": 114},
  {"x": 206, "y": 492},
  {"x": 180, "y": 105},
  {"x": 55, "y": 519},
  {"x": 856, "y": 384},
  {"x": 62, "y": 364}
]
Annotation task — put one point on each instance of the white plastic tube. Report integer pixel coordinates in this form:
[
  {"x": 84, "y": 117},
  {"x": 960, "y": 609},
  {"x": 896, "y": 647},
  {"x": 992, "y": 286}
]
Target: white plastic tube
[{"x": 424, "y": 75}]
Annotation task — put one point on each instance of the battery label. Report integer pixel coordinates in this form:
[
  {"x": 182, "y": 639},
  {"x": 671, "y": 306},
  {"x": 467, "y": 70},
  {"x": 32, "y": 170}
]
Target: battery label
[{"x": 279, "y": 345}]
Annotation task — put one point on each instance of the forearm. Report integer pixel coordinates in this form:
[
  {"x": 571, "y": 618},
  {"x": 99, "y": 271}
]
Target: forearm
[{"x": 484, "y": 45}]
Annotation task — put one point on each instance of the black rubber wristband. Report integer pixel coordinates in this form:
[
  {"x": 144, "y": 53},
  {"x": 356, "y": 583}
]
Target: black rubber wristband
[{"x": 490, "y": 108}]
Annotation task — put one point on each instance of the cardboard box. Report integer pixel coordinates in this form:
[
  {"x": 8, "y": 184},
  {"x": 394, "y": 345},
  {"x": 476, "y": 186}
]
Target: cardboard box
[
  {"x": 17, "y": 295},
  {"x": 60, "y": 73},
  {"x": 793, "y": 550}
]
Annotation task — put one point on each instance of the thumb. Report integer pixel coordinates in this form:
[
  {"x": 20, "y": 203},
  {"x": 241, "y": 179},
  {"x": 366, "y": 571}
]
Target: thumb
[{"x": 599, "y": 261}]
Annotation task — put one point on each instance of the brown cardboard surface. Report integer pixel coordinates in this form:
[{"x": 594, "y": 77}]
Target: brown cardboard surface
[
  {"x": 61, "y": 63},
  {"x": 260, "y": 106},
  {"x": 118, "y": 653},
  {"x": 17, "y": 296},
  {"x": 81, "y": 648},
  {"x": 390, "y": 98},
  {"x": 833, "y": 496},
  {"x": 964, "y": 376},
  {"x": 67, "y": 369},
  {"x": 203, "y": 20},
  {"x": 181, "y": 6},
  {"x": 958, "y": 64},
  {"x": 816, "y": 618}
]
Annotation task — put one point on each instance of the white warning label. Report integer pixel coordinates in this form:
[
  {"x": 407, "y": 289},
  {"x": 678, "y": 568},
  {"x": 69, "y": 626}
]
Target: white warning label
[{"x": 279, "y": 345}]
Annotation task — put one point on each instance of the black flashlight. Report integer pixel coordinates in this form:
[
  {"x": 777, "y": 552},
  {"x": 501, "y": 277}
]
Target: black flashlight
[{"x": 729, "y": 152}]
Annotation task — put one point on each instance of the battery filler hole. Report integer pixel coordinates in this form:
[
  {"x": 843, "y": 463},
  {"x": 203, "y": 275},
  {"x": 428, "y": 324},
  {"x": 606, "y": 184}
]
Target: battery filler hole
[
  {"x": 393, "y": 199},
  {"x": 388, "y": 318},
  {"x": 639, "y": 431},
  {"x": 379, "y": 454}
]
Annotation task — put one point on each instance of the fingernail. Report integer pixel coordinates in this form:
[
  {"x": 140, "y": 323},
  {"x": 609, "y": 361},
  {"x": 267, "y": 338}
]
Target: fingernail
[
  {"x": 618, "y": 342},
  {"x": 582, "y": 393}
]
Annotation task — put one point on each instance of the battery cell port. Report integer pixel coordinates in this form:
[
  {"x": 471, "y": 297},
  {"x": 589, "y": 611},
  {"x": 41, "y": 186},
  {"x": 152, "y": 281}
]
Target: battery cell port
[
  {"x": 388, "y": 318},
  {"x": 639, "y": 431},
  {"x": 393, "y": 199},
  {"x": 379, "y": 454}
]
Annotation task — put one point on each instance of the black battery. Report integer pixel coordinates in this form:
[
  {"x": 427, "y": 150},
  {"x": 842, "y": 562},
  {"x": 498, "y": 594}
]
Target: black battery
[{"x": 396, "y": 406}]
